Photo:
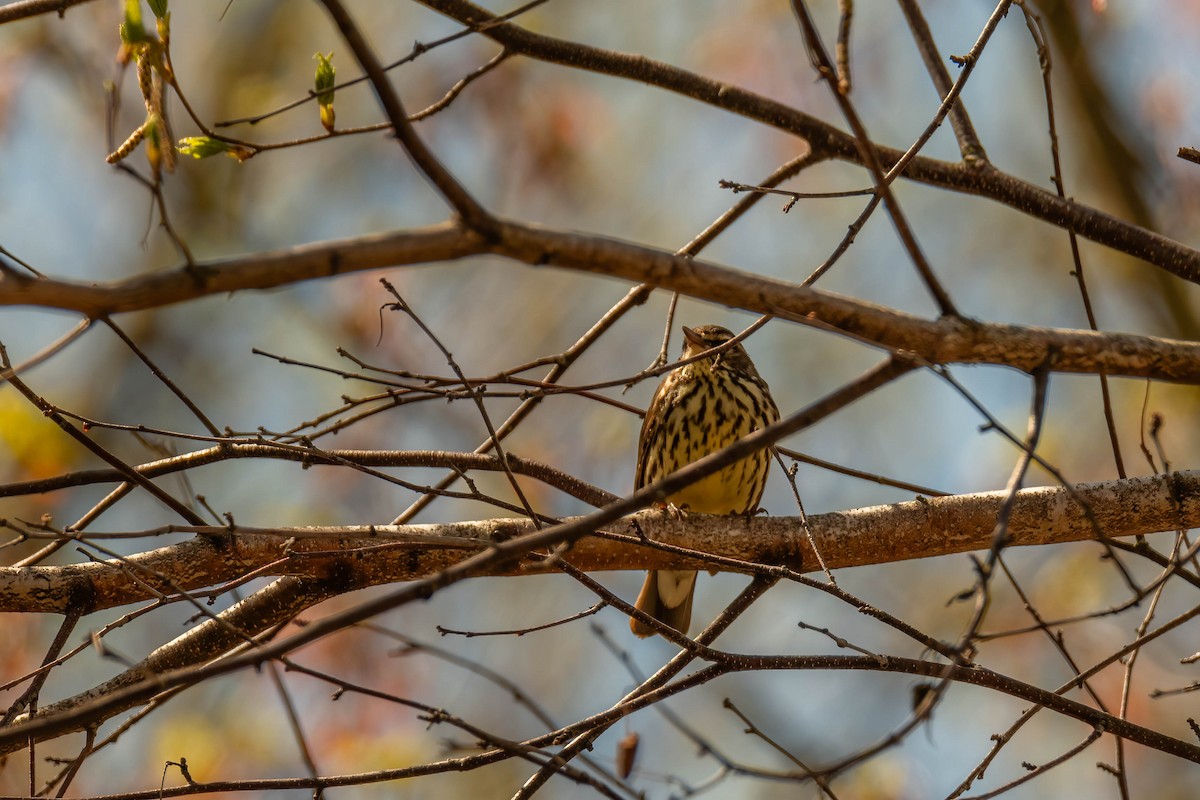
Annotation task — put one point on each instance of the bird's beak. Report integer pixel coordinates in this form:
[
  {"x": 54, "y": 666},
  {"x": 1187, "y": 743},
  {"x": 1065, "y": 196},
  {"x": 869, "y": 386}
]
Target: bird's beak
[{"x": 694, "y": 339}]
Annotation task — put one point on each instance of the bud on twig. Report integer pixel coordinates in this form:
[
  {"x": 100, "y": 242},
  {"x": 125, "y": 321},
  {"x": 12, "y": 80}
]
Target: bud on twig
[{"x": 324, "y": 87}]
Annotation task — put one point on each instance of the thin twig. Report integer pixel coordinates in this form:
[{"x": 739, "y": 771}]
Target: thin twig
[{"x": 472, "y": 214}]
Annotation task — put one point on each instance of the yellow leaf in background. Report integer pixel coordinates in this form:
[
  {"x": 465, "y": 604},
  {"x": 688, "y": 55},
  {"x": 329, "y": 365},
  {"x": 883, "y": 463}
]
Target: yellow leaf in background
[
  {"x": 31, "y": 446},
  {"x": 202, "y": 740}
]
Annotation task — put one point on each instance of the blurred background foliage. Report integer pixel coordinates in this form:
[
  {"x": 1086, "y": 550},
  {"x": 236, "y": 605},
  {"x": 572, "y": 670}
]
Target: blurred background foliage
[{"x": 574, "y": 150}]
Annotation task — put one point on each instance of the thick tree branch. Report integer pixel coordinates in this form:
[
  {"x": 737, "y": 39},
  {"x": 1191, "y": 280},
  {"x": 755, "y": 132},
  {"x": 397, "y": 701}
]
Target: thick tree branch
[
  {"x": 942, "y": 341},
  {"x": 873, "y": 535},
  {"x": 269, "y": 270}
]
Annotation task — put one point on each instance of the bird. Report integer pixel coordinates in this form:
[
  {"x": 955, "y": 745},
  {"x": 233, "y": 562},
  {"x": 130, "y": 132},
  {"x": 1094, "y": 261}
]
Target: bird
[{"x": 698, "y": 409}]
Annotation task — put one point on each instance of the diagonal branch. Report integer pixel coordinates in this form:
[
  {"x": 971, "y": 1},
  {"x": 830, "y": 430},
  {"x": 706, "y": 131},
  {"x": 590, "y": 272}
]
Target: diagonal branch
[
  {"x": 968, "y": 140},
  {"x": 869, "y": 156},
  {"x": 474, "y": 215},
  {"x": 828, "y": 141}
]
